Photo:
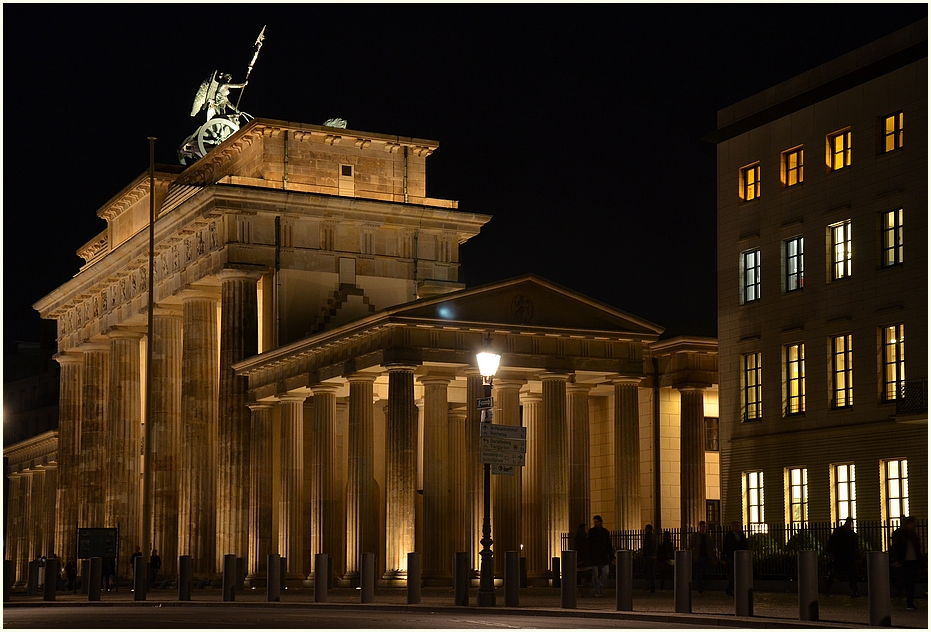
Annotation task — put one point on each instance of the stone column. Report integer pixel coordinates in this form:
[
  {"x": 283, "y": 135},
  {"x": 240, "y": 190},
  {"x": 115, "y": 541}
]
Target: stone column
[
  {"x": 69, "y": 442},
  {"x": 239, "y": 339},
  {"x": 555, "y": 430},
  {"x": 458, "y": 507},
  {"x": 49, "y": 510},
  {"x": 261, "y": 542},
  {"x": 197, "y": 511},
  {"x": 36, "y": 511},
  {"x": 25, "y": 542},
  {"x": 692, "y": 457},
  {"x": 626, "y": 454},
  {"x": 327, "y": 524},
  {"x": 505, "y": 491},
  {"x": 290, "y": 505},
  {"x": 401, "y": 470},
  {"x": 475, "y": 496},
  {"x": 532, "y": 535},
  {"x": 580, "y": 494},
  {"x": 16, "y": 518},
  {"x": 94, "y": 435},
  {"x": 165, "y": 452},
  {"x": 124, "y": 438},
  {"x": 437, "y": 556},
  {"x": 361, "y": 494}
]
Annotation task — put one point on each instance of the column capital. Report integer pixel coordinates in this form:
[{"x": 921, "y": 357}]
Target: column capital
[
  {"x": 69, "y": 357},
  {"x": 240, "y": 274},
  {"x": 560, "y": 376},
  {"x": 125, "y": 333},
  {"x": 509, "y": 383},
  {"x": 293, "y": 396},
  {"x": 361, "y": 377},
  {"x": 692, "y": 388},
  {"x": 630, "y": 380},
  {"x": 324, "y": 388},
  {"x": 574, "y": 387},
  {"x": 400, "y": 366},
  {"x": 200, "y": 292},
  {"x": 531, "y": 397},
  {"x": 263, "y": 405},
  {"x": 457, "y": 413},
  {"x": 168, "y": 311},
  {"x": 431, "y": 380},
  {"x": 94, "y": 345}
]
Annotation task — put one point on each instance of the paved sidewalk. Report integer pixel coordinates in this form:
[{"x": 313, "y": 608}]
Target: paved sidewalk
[{"x": 770, "y": 609}]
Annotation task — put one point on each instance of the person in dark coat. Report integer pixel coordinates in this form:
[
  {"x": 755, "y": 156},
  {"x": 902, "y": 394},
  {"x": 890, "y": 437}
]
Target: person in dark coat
[
  {"x": 583, "y": 555},
  {"x": 108, "y": 570},
  {"x": 71, "y": 572},
  {"x": 842, "y": 549},
  {"x": 735, "y": 540},
  {"x": 906, "y": 558},
  {"x": 649, "y": 551},
  {"x": 155, "y": 563},
  {"x": 602, "y": 554},
  {"x": 702, "y": 556},
  {"x": 666, "y": 558}
]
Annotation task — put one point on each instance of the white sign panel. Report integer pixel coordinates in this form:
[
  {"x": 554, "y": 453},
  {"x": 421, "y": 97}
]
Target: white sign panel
[
  {"x": 504, "y": 470},
  {"x": 502, "y": 458},
  {"x": 485, "y": 403},
  {"x": 504, "y": 445},
  {"x": 501, "y": 431}
]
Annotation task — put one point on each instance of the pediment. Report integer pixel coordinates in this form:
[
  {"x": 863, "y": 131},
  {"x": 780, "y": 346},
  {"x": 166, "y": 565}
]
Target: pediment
[{"x": 528, "y": 302}]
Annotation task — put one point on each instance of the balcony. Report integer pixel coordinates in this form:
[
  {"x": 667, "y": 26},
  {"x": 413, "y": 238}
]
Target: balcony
[{"x": 913, "y": 399}]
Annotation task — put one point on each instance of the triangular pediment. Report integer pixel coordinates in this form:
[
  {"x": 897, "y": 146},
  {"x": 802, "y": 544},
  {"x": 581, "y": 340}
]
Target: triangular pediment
[{"x": 531, "y": 303}]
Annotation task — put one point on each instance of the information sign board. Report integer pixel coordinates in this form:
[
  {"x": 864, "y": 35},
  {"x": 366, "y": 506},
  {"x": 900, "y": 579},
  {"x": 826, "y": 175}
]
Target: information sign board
[{"x": 503, "y": 432}]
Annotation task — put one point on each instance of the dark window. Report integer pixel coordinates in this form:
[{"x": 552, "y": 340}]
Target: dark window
[{"x": 711, "y": 434}]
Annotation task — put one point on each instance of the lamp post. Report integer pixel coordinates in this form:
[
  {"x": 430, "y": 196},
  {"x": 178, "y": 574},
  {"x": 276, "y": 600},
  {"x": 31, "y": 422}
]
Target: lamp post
[{"x": 487, "y": 366}]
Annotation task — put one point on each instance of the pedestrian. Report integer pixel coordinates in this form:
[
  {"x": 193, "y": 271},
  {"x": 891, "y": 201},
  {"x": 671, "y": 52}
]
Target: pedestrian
[
  {"x": 842, "y": 549},
  {"x": 41, "y": 571},
  {"x": 155, "y": 563},
  {"x": 735, "y": 540},
  {"x": 702, "y": 556},
  {"x": 71, "y": 572},
  {"x": 649, "y": 551},
  {"x": 108, "y": 569},
  {"x": 602, "y": 554},
  {"x": 666, "y": 558},
  {"x": 132, "y": 566},
  {"x": 583, "y": 556},
  {"x": 906, "y": 556}
]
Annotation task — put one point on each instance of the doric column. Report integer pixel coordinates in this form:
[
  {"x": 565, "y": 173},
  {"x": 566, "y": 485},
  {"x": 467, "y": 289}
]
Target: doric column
[
  {"x": 361, "y": 493},
  {"x": 165, "y": 452},
  {"x": 124, "y": 438},
  {"x": 290, "y": 505},
  {"x": 238, "y": 340},
  {"x": 25, "y": 543},
  {"x": 94, "y": 435},
  {"x": 458, "y": 507},
  {"x": 16, "y": 519},
  {"x": 475, "y": 496},
  {"x": 626, "y": 454},
  {"x": 327, "y": 526},
  {"x": 37, "y": 509},
  {"x": 580, "y": 495},
  {"x": 532, "y": 535},
  {"x": 437, "y": 556},
  {"x": 555, "y": 431},
  {"x": 401, "y": 470},
  {"x": 49, "y": 510},
  {"x": 692, "y": 457},
  {"x": 197, "y": 516},
  {"x": 261, "y": 542},
  {"x": 505, "y": 491},
  {"x": 70, "y": 395}
]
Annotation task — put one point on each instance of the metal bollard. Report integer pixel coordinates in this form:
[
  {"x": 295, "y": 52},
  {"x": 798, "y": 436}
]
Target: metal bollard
[
  {"x": 51, "y": 579},
  {"x": 567, "y": 588},
  {"x": 807, "y": 586},
  {"x": 368, "y": 578},
  {"x": 512, "y": 579},
  {"x": 94, "y": 573},
  {"x": 461, "y": 579},
  {"x": 413, "y": 578},
  {"x": 85, "y": 575},
  {"x": 229, "y": 577},
  {"x": 625, "y": 581},
  {"x": 140, "y": 578},
  {"x": 284, "y": 573},
  {"x": 683, "y": 587},
  {"x": 273, "y": 583},
  {"x": 240, "y": 574},
  {"x": 743, "y": 583},
  {"x": 7, "y": 580},
  {"x": 321, "y": 579},
  {"x": 32, "y": 582},
  {"x": 877, "y": 585},
  {"x": 185, "y": 577},
  {"x": 557, "y": 576}
]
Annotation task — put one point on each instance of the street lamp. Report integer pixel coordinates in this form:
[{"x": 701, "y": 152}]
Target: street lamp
[{"x": 487, "y": 366}]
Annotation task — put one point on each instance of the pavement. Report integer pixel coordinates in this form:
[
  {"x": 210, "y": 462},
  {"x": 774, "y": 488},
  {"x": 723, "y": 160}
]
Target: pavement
[{"x": 770, "y": 609}]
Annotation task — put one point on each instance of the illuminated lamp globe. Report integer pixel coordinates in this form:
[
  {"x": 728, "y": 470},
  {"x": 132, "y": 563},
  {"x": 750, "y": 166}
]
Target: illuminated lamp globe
[{"x": 488, "y": 363}]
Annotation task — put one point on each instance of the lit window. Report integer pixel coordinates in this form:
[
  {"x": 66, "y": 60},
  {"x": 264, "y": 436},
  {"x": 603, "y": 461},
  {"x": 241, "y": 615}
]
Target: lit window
[
  {"x": 838, "y": 150},
  {"x": 750, "y": 182},
  {"x": 795, "y": 379},
  {"x": 842, "y": 356},
  {"x": 892, "y": 238},
  {"x": 711, "y": 434},
  {"x": 792, "y": 166},
  {"x": 795, "y": 263},
  {"x": 893, "y": 361},
  {"x": 893, "y": 132},
  {"x": 713, "y": 511},
  {"x": 896, "y": 474},
  {"x": 845, "y": 492},
  {"x": 752, "y": 389},
  {"x": 797, "y": 479},
  {"x": 841, "y": 251},
  {"x": 753, "y": 502},
  {"x": 750, "y": 275}
]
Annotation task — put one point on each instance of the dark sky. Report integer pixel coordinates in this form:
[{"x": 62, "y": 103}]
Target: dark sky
[{"x": 579, "y": 128}]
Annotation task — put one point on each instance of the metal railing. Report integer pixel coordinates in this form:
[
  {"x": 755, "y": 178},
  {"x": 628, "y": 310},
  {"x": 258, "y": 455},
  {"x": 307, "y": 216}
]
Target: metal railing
[{"x": 913, "y": 397}]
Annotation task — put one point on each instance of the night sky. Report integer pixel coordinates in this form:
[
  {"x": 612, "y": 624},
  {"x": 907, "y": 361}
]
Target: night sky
[{"x": 579, "y": 128}]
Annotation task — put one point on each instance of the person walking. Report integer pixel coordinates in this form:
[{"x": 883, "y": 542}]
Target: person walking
[
  {"x": 842, "y": 549},
  {"x": 583, "y": 556},
  {"x": 107, "y": 570},
  {"x": 602, "y": 554},
  {"x": 155, "y": 563},
  {"x": 666, "y": 558},
  {"x": 648, "y": 552},
  {"x": 71, "y": 572},
  {"x": 906, "y": 556},
  {"x": 702, "y": 556},
  {"x": 735, "y": 540}
]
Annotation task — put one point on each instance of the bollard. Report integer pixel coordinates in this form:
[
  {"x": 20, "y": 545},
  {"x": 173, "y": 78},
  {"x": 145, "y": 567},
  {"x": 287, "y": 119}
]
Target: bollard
[
  {"x": 512, "y": 579},
  {"x": 743, "y": 583},
  {"x": 683, "y": 587},
  {"x": 368, "y": 578},
  {"x": 273, "y": 581},
  {"x": 807, "y": 586},
  {"x": 413, "y": 578},
  {"x": 625, "y": 581},
  {"x": 567, "y": 588},
  {"x": 557, "y": 576},
  {"x": 523, "y": 572},
  {"x": 877, "y": 585},
  {"x": 51, "y": 579},
  {"x": 140, "y": 578},
  {"x": 85, "y": 575},
  {"x": 93, "y": 578},
  {"x": 284, "y": 573},
  {"x": 321, "y": 581},
  {"x": 32, "y": 582},
  {"x": 229, "y": 577},
  {"x": 240, "y": 574},
  {"x": 7, "y": 580},
  {"x": 461, "y": 579},
  {"x": 185, "y": 577}
]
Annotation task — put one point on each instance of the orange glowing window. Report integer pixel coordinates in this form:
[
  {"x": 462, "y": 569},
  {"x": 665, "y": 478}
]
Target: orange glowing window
[
  {"x": 750, "y": 182},
  {"x": 793, "y": 166},
  {"x": 893, "y": 132},
  {"x": 838, "y": 150}
]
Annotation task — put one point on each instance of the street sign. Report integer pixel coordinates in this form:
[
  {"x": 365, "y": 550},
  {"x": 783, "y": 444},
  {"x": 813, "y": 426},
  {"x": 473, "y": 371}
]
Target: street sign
[
  {"x": 488, "y": 415},
  {"x": 97, "y": 542},
  {"x": 485, "y": 403},
  {"x": 504, "y": 445},
  {"x": 496, "y": 457},
  {"x": 501, "y": 431},
  {"x": 503, "y": 470}
]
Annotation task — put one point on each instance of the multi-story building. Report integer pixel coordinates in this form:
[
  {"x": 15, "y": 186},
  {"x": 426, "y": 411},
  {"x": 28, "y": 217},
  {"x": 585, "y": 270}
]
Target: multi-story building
[{"x": 823, "y": 291}]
